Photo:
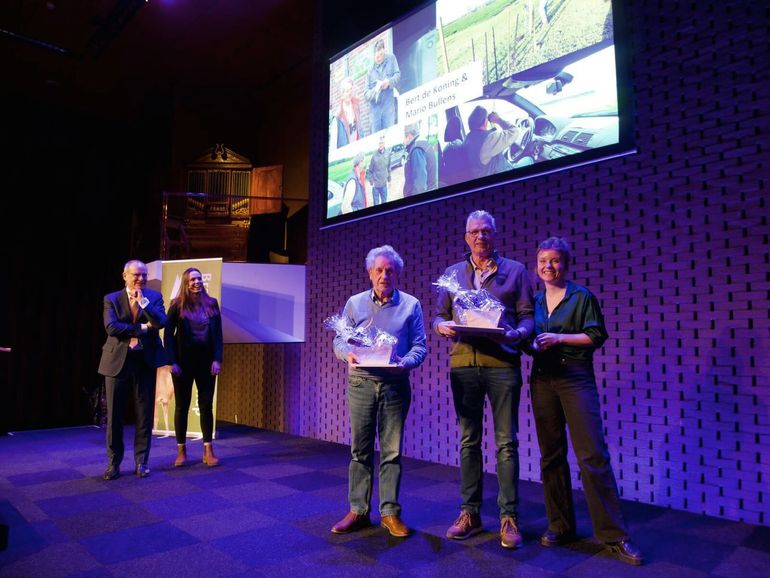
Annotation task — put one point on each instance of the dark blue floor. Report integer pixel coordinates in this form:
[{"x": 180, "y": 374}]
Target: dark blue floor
[{"x": 268, "y": 509}]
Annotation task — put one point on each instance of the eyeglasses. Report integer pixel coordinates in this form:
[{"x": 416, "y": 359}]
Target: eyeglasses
[{"x": 479, "y": 232}]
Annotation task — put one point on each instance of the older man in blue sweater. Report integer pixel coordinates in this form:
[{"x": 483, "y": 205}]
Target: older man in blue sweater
[{"x": 379, "y": 397}]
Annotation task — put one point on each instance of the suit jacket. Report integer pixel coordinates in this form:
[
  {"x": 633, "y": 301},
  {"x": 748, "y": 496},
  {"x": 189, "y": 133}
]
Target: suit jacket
[
  {"x": 177, "y": 335},
  {"x": 120, "y": 329}
]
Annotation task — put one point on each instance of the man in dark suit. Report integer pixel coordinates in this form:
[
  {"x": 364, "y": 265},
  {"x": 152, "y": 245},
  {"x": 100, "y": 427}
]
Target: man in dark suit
[{"x": 130, "y": 356}]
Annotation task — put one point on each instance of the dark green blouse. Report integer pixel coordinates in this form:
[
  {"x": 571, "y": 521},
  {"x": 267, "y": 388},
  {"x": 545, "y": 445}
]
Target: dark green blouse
[{"x": 577, "y": 312}]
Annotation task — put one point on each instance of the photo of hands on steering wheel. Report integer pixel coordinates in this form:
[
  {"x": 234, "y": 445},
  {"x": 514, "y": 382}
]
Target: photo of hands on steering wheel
[
  {"x": 544, "y": 113},
  {"x": 548, "y": 84}
]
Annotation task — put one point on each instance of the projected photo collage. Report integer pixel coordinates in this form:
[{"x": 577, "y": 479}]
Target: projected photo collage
[{"x": 461, "y": 90}]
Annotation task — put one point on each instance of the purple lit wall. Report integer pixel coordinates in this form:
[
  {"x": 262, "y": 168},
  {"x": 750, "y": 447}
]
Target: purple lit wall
[{"x": 673, "y": 240}]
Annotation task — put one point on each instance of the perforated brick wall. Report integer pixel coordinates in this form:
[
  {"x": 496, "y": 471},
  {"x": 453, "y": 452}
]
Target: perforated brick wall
[{"x": 674, "y": 242}]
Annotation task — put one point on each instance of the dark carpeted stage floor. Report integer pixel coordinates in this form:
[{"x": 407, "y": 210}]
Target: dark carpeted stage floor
[{"x": 268, "y": 509}]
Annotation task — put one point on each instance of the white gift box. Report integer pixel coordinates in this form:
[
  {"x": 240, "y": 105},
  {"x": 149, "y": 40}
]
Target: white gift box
[
  {"x": 379, "y": 355},
  {"x": 479, "y": 318}
]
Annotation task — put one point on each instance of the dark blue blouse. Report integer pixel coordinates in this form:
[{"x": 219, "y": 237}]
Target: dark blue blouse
[{"x": 577, "y": 312}]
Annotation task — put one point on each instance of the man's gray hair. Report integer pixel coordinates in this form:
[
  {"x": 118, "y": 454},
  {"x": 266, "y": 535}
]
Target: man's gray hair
[
  {"x": 136, "y": 262},
  {"x": 384, "y": 251},
  {"x": 412, "y": 129},
  {"x": 481, "y": 215}
]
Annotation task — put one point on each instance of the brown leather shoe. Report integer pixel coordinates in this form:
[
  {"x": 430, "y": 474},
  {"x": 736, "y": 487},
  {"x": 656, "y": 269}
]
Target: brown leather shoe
[
  {"x": 181, "y": 455},
  {"x": 395, "y": 526},
  {"x": 510, "y": 536},
  {"x": 351, "y": 522},
  {"x": 465, "y": 526}
]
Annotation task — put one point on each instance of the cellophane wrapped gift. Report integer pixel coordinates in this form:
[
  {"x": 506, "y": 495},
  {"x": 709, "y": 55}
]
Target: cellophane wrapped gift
[
  {"x": 472, "y": 307},
  {"x": 372, "y": 346}
]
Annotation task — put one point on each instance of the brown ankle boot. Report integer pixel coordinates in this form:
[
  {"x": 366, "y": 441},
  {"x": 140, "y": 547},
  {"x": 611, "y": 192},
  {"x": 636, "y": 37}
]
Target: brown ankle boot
[
  {"x": 181, "y": 455},
  {"x": 208, "y": 455}
]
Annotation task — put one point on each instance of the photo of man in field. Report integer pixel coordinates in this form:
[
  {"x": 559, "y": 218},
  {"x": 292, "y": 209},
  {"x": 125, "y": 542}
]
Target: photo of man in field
[{"x": 510, "y": 36}]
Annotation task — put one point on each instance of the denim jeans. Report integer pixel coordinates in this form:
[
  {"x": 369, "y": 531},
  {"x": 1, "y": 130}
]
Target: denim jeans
[
  {"x": 380, "y": 194},
  {"x": 502, "y": 385},
  {"x": 564, "y": 395},
  {"x": 383, "y": 112},
  {"x": 376, "y": 407}
]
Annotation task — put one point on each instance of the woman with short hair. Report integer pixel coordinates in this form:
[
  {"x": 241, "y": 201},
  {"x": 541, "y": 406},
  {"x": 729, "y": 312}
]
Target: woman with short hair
[{"x": 569, "y": 327}]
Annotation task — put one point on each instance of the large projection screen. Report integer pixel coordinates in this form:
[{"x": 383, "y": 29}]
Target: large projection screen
[{"x": 462, "y": 94}]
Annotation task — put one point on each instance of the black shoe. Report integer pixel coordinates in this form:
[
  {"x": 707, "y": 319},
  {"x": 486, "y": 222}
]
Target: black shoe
[
  {"x": 626, "y": 551},
  {"x": 551, "y": 538},
  {"x": 111, "y": 473},
  {"x": 142, "y": 470}
]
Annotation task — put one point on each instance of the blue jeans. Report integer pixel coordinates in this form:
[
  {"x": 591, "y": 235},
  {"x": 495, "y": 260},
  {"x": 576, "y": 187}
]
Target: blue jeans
[
  {"x": 383, "y": 112},
  {"x": 376, "y": 407},
  {"x": 380, "y": 194},
  {"x": 502, "y": 385}
]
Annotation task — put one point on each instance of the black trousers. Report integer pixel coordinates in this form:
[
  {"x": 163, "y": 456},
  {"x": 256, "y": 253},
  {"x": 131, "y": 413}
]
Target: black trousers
[
  {"x": 136, "y": 380},
  {"x": 196, "y": 366},
  {"x": 564, "y": 394}
]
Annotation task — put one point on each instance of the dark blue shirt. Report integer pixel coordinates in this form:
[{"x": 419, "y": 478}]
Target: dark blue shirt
[{"x": 577, "y": 312}]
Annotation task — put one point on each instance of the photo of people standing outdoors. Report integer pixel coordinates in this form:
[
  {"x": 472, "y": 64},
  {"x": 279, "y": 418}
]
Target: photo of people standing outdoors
[{"x": 365, "y": 88}]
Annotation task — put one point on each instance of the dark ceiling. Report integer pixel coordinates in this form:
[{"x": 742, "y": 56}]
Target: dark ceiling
[{"x": 109, "y": 54}]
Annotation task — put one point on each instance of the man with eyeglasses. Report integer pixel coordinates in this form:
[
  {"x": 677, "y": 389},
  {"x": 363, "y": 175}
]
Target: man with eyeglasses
[
  {"x": 487, "y": 366},
  {"x": 133, "y": 317}
]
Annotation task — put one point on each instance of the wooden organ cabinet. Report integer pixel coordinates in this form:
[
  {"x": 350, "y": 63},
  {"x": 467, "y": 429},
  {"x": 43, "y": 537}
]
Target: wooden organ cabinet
[{"x": 211, "y": 218}]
